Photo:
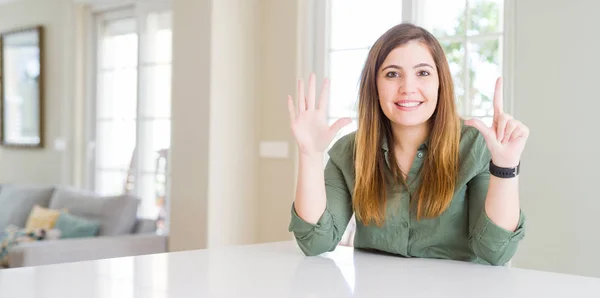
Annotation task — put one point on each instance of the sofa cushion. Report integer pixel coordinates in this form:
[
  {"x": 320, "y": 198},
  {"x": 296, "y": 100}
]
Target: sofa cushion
[
  {"x": 42, "y": 218},
  {"x": 17, "y": 201},
  {"x": 145, "y": 226},
  {"x": 72, "y": 226},
  {"x": 116, "y": 214}
]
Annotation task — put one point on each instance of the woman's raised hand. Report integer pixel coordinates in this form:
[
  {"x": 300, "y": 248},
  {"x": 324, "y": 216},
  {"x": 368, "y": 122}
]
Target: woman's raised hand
[{"x": 309, "y": 122}]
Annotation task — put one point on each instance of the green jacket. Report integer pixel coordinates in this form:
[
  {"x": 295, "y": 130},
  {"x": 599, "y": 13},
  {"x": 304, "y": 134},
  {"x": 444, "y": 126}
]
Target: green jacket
[{"x": 463, "y": 232}]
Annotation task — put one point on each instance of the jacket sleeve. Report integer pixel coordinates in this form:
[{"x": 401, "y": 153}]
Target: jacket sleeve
[
  {"x": 489, "y": 241},
  {"x": 315, "y": 239}
]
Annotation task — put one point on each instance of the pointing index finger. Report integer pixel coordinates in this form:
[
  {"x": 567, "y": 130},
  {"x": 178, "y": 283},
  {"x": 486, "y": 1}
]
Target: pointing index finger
[{"x": 498, "y": 100}]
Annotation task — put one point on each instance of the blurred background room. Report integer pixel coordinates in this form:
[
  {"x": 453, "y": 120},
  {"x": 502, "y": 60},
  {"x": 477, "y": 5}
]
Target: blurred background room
[{"x": 162, "y": 125}]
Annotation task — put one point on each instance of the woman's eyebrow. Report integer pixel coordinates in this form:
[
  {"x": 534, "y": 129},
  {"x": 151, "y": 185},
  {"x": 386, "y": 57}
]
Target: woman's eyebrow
[{"x": 394, "y": 66}]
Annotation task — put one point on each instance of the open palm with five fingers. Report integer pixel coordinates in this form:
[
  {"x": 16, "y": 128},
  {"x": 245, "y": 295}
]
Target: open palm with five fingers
[
  {"x": 309, "y": 122},
  {"x": 506, "y": 137}
]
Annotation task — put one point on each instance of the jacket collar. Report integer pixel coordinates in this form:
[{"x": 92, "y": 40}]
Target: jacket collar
[{"x": 384, "y": 144}]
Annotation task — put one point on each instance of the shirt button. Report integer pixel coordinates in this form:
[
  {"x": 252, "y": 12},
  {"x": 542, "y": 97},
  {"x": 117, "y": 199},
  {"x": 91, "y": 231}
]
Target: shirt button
[
  {"x": 405, "y": 224},
  {"x": 420, "y": 154}
]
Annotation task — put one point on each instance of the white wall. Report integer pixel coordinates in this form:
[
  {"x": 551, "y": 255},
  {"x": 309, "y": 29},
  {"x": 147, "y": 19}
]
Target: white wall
[
  {"x": 215, "y": 110},
  {"x": 556, "y": 82},
  {"x": 252, "y": 54},
  {"x": 190, "y": 132},
  {"x": 234, "y": 112},
  {"x": 276, "y": 177},
  {"x": 46, "y": 165}
]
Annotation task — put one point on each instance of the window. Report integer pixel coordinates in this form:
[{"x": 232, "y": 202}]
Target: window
[
  {"x": 348, "y": 47},
  {"x": 132, "y": 107},
  {"x": 470, "y": 31}
]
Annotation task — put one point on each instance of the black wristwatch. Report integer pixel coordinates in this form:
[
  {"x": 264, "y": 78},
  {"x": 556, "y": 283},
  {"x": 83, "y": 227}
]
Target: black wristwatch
[{"x": 504, "y": 172}]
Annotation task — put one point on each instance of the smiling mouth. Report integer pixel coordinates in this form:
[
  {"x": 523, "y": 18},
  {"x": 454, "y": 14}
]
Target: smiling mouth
[{"x": 408, "y": 104}]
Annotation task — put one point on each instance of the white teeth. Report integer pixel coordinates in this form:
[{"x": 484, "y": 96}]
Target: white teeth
[{"x": 409, "y": 104}]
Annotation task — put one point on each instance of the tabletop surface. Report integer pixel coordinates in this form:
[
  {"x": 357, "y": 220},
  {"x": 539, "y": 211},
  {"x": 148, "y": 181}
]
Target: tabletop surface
[{"x": 280, "y": 270}]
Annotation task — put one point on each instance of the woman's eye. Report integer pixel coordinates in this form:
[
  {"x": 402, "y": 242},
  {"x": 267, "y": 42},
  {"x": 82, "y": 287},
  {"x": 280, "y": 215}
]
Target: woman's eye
[
  {"x": 392, "y": 74},
  {"x": 423, "y": 73}
]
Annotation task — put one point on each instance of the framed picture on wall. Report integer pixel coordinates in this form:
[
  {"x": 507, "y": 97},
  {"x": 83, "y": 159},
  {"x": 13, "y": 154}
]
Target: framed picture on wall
[{"x": 21, "y": 88}]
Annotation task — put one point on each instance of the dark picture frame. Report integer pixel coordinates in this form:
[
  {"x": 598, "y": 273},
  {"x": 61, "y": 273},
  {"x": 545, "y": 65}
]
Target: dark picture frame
[{"x": 22, "y": 88}]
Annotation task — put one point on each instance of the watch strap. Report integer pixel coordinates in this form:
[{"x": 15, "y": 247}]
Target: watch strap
[{"x": 504, "y": 172}]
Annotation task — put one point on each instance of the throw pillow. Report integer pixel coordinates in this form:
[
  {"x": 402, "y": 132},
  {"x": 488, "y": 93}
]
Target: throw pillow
[
  {"x": 42, "y": 218},
  {"x": 72, "y": 226}
]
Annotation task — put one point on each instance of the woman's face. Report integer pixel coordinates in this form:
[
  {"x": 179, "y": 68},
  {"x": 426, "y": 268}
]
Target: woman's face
[{"x": 408, "y": 84}]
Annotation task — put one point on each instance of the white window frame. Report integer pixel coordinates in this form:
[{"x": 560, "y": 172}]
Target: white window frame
[
  {"x": 96, "y": 12},
  {"x": 314, "y": 30},
  {"x": 97, "y": 17}
]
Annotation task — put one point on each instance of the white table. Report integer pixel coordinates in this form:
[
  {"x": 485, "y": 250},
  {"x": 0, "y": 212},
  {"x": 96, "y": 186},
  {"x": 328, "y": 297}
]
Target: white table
[{"x": 280, "y": 270}]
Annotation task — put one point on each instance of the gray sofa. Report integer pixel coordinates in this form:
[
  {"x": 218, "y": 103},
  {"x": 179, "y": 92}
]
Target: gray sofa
[{"x": 121, "y": 232}]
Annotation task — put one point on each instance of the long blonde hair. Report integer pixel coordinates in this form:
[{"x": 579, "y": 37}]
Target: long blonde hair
[{"x": 440, "y": 168}]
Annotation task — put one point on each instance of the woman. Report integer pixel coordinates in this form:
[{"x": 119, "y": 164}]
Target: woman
[{"x": 421, "y": 181}]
